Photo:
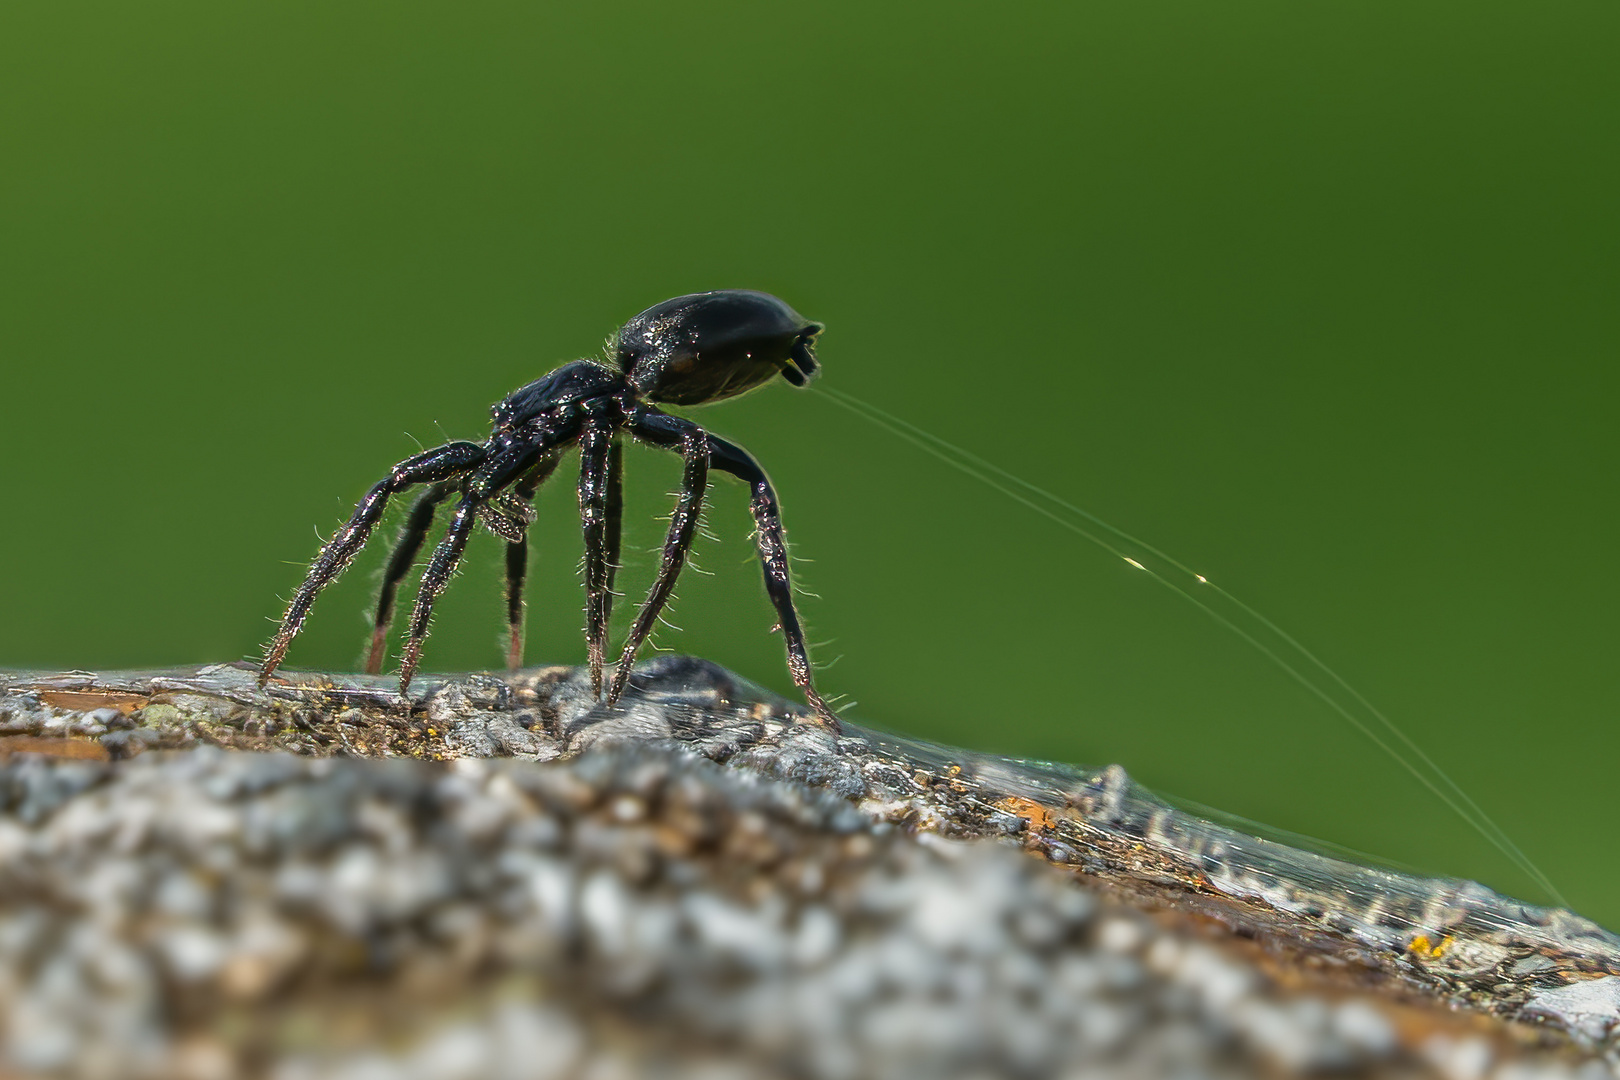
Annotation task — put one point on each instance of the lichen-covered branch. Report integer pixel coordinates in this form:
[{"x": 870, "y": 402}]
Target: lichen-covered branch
[{"x": 699, "y": 880}]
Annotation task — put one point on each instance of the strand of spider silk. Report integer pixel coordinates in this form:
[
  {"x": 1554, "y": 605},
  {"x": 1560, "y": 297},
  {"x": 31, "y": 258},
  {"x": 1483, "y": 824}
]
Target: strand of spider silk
[
  {"x": 1501, "y": 838},
  {"x": 1481, "y": 821},
  {"x": 980, "y": 469},
  {"x": 1258, "y": 645}
]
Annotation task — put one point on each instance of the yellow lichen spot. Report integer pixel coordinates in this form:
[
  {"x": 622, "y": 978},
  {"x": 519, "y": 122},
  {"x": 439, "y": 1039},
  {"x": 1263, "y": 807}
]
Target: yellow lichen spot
[
  {"x": 1422, "y": 946},
  {"x": 1038, "y": 816}
]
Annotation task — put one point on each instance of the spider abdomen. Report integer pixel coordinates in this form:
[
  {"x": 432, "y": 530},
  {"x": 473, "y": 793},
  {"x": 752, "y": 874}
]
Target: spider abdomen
[{"x": 715, "y": 345}]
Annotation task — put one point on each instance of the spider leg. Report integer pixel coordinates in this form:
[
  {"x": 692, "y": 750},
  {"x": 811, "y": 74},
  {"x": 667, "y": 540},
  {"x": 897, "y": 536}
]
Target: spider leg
[
  {"x": 434, "y": 579},
  {"x": 773, "y": 556},
  {"x": 614, "y": 520},
  {"x": 691, "y": 443},
  {"x": 399, "y": 564},
  {"x": 595, "y": 443},
  {"x": 428, "y": 467},
  {"x": 517, "y": 564},
  {"x": 514, "y": 458}
]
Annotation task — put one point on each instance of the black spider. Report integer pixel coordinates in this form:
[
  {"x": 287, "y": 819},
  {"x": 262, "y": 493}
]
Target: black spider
[{"x": 686, "y": 351}]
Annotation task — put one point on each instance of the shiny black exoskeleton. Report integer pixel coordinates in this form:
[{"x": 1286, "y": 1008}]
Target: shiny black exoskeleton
[{"x": 687, "y": 351}]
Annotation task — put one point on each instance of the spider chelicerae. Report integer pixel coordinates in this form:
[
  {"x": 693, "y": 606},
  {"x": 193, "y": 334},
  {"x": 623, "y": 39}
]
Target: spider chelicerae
[{"x": 687, "y": 351}]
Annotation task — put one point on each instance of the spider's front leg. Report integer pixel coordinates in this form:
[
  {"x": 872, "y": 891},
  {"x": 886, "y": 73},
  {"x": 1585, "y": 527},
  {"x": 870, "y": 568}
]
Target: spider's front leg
[
  {"x": 510, "y": 461},
  {"x": 428, "y": 467},
  {"x": 517, "y": 563},
  {"x": 434, "y": 579},
  {"x": 400, "y": 562}
]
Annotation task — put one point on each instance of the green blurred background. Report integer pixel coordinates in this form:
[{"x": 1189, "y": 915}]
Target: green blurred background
[{"x": 1322, "y": 299}]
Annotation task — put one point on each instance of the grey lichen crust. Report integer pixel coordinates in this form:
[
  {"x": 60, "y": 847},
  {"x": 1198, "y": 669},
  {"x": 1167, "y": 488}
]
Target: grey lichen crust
[{"x": 699, "y": 882}]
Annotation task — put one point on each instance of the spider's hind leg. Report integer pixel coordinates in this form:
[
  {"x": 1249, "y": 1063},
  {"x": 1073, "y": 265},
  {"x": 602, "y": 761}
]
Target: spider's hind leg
[
  {"x": 693, "y": 445},
  {"x": 773, "y": 557}
]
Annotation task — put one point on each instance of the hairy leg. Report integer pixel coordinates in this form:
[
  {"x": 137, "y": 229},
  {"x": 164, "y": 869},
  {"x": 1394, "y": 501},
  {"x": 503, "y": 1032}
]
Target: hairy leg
[
  {"x": 614, "y": 508},
  {"x": 399, "y": 564},
  {"x": 692, "y": 444},
  {"x": 434, "y": 579},
  {"x": 595, "y": 441},
  {"x": 509, "y": 459},
  {"x": 428, "y": 467},
  {"x": 517, "y": 564},
  {"x": 773, "y": 557}
]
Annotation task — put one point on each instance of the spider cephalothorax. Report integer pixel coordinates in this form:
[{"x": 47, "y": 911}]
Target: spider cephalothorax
[{"x": 687, "y": 351}]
